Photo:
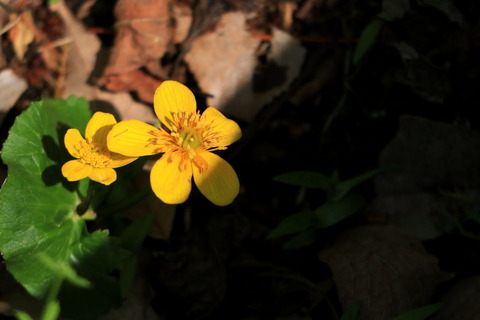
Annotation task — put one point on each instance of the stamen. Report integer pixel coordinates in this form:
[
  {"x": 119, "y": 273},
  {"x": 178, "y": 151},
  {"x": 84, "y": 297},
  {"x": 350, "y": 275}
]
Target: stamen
[
  {"x": 189, "y": 132},
  {"x": 95, "y": 155}
]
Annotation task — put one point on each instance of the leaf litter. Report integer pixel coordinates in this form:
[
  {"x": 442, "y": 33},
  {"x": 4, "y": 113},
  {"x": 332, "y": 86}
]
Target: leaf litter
[{"x": 284, "y": 70}]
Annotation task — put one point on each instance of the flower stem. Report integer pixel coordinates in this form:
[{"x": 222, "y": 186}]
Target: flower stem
[{"x": 85, "y": 204}]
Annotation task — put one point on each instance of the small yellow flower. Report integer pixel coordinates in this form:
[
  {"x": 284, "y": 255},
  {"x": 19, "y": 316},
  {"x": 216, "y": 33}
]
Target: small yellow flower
[
  {"x": 94, "y": 160},
  {"x": 186, "y": 145}
]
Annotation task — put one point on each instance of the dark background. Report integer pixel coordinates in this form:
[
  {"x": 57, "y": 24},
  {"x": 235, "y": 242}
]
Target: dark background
[{"x": 409, "y": 104}]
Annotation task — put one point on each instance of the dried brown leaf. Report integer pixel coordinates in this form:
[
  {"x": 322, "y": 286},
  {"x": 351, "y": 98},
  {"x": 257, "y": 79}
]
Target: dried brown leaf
[
  {"x": 224, "y": 63},
  {"x": 183, "y": 20},
  {"x": 82, "y": 50},
  {"x": 426, "y": 161},
  {"x": 384, "y": 268},
  {"x": 81, "y": 61},
  {"x": 12, "y": 87},
  {"x": 21, "y": 34},
  {"x": 135, "y": 80},
  {"x": 143, "y": 34},
  {"x": 461, "y": 301}
]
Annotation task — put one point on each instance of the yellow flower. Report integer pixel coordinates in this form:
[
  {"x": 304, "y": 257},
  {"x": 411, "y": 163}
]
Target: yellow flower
[
  {"x": 94, "y": 160},
  {"x": 186, "y": 144}
]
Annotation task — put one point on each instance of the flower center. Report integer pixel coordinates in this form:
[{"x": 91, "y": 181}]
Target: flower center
[
  {"x": 188, "y": 138},
  {"x": 190, "y": 133},
  {"x": 95, "y": 155}
]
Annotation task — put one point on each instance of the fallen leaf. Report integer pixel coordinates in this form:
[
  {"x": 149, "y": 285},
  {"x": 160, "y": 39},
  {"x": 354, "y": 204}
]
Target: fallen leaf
[
  {"x": 183, "y": 20},
  {"x": 394, "y": 9},
  {"x": 288, "y": 53},
  {"x": 82, "y": 50},
  {"x": 143, "y": 35},
  {"x": 135, "y": 80},
  {"x": 82, "y": 57},
  {"x": 461, "y": 301},
  {"x": 382, "y": 267},
  {"x": 429, "y": 81},
  {"x": 447, "y": 7},
  {"x": 21, "y": 34},
  {"x": 421, "y": 40},
  {"x": 427, "y": 160},
  {"x": 12, "y": 88},
  {"x": 37, "y": 73},
  {"x": 233, "y": 76},
  {"x": 226, "y": 73}
]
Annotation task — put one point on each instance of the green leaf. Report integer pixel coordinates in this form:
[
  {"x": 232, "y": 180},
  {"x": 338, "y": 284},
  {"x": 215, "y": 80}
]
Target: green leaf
[
  {"x": 128, "y": 271},
  {"x": 64, "y": 271},
  {"x": 21, "y": 315},
  {"x": 300, "y": 240},
  {"x": 331, "y": 213},
  {"x": 294, "y": 223},
  {"x": 328, "y": 214},
  {"x": 94, "y": 258},
  {"x": 421, "y": 313},
  {"x": 367, "y": 39},
  {"x": 132, "y": 236},
  {"x": 51, "y": 311},
  {"x": 131, "y": 239},
  {"x": 37, "y": 205},
  {"x": 351, "y": 313},
  {"x": 344, "y": 187},
  {"x": 308, "y": 179}
]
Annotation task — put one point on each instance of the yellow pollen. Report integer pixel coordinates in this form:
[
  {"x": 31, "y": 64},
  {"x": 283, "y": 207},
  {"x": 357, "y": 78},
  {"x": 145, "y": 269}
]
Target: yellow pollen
[
  {"x": 94, "y": 155},
  {"x": 189, "y": 133},
  {"x": 193, "y": 131}
]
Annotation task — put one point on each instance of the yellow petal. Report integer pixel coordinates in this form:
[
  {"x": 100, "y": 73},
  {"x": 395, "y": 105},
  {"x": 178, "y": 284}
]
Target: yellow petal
[
  {"x": 219, "y": 183},
  {"x": 118, "y": 160},
  {"x": 229, "y": 129},
  {"x": 98, "y": 127},
  {"x": 103, "y": 175},
  {"x": 169, "y": 183},
  {"x": 172, "y": 96},
  {"x": 75, "y": 170},
  {"x": 133, "y": 138},
  {"x": 72, "y": 138}
]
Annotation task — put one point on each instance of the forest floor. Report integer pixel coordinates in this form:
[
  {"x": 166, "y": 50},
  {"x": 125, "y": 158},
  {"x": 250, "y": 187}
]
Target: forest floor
[{"x": 337, "y": 87}]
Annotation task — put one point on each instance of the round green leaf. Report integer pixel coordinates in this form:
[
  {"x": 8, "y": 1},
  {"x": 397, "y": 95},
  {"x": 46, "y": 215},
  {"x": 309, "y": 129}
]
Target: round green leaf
[
  {"x": 37, "y": 211},
  {"x": 36, "y": 203}
]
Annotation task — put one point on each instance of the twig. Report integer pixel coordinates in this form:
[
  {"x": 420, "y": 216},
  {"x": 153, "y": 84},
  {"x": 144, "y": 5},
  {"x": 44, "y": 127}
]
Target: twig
[{"x": 9, "y": 25}]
